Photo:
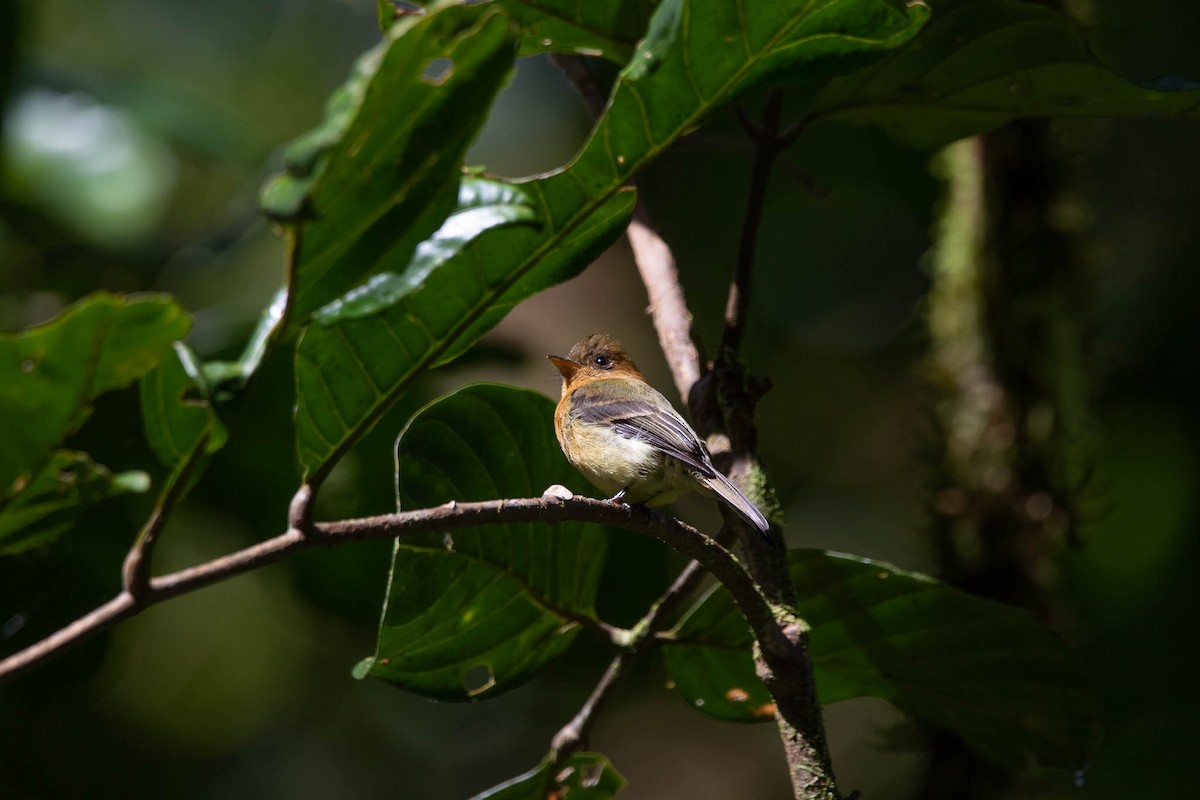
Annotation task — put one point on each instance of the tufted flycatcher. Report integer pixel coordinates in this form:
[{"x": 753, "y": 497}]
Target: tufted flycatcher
[{"x": 628, "y": 440}]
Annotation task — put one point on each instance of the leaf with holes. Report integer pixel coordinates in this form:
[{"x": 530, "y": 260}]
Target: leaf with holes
[
  {"x": 57, "y": 496},
  {"x": 1011, "y": 689},
  {"x": 583, "y": 776},
  {"x": 475, "y": 613},
  {"x": 51, "y": 374},
  {"x": 382, "y": 172},
  {"x": 981, "y": 63},
  {"x": 344, "y": 384}
]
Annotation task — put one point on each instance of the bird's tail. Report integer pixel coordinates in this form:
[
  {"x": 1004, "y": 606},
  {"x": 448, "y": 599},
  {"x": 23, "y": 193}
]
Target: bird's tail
[{"x": 725, "y": 489}]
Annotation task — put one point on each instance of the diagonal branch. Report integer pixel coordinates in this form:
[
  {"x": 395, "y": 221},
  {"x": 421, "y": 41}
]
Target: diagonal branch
[
  {"x": 573, "y": 736},
  {"x": 552, "y": 507}
]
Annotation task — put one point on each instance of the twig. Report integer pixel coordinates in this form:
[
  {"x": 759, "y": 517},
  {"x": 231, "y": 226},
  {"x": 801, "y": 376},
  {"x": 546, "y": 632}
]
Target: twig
[
  {"x": 135, "y": 572},
  {"x": 767, "y": 147},
  {"x": 551, "y": 508},
  {"x": 573, "y": 736},
  {"x": 668, "y": 307}
]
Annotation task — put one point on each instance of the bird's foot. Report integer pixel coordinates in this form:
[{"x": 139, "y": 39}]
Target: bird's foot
[{"x": 619, "y": 497}]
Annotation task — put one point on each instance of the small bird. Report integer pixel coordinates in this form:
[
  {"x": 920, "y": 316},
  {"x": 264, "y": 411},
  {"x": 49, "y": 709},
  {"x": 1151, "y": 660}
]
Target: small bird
[{"x": 626, "y": 438}]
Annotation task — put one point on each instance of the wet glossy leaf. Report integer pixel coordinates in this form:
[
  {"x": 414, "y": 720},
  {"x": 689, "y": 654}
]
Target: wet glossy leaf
[
  {"x": 1011, "y": 689},
  {"x": 50, "y": 374},
  {"x": 363, "y": 351},
  {"x": 584, "y": 776},
  {"x": 474, "y": 614},
  {"x": 63, "y": 490}
]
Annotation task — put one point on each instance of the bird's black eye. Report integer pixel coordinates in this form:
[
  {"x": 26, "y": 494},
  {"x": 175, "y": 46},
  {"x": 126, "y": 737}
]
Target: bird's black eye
[{"x": 603, "y": 362}]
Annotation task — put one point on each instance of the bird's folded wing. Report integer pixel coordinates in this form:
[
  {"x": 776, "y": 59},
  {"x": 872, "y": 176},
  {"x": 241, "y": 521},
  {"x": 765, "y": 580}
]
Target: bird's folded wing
[{"x": 659, "y": 427}]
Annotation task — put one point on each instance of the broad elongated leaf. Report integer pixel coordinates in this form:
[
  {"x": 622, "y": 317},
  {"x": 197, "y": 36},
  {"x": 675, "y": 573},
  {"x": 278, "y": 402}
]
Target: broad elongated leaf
[
  {"x": 61, "y": 492},
  {"x": 364, "y": 350},
  {"x": 49, "y": 375},
  {"x": 985, "y": 671},
  {"x": 343, "y": 382},
  {"x": 381, "y": 173},
  {"x": 584, "y": 776},
  {"x": 475, "y": 614},
  {"x": 981, "y": 63}
]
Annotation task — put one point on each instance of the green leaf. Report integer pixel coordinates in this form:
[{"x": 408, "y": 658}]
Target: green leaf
[
  {"x": 49, "y": 375},
  {"x": 603, "y": 28},
  {"x": 584, "y": 776},
  {"x": 344, "y": 383},
  {"x": 364, "y": 350},
  {"x": 381, "y": 173},
  {"x": 981, "y": 63},
  {"x": 1011, "y": 689},
  {"x": 63, "y": 490},
  {"x": 693, "y": 63},
  {"x": 181, "y": 424},
  {"x": 177, "y": 411},
  {"x": 475, "y": 613}
]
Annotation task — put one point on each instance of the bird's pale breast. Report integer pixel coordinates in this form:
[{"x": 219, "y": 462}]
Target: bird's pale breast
[{"x": 612, "y": 462}]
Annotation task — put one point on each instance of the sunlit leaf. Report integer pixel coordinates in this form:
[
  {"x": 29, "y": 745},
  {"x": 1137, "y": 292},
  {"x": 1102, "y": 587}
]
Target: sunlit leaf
[
  {"x": 676, "y": 81},
  {"x": 381, "y": 172},
  {"x": 475, "y": 613},
  {"x": 990, "y": 673},
  {"x": 365, "y": 349}
]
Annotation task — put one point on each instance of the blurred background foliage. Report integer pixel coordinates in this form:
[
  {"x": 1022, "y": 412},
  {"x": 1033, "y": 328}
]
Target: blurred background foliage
[{"x": 136, "y": 135}]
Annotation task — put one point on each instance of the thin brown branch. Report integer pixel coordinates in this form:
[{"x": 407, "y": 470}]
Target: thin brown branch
[
  {"x": 573, "y": 736},
  {"x": 135, "y": 572},
  {"x": 668, "y": 307},
  {"x": 766, "y": 150},
  {"x": 550, "y": 508}
]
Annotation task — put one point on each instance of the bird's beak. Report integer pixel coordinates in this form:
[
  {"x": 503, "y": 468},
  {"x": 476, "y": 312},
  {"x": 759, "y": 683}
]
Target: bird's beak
[{"x": 565, "y": 366}]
